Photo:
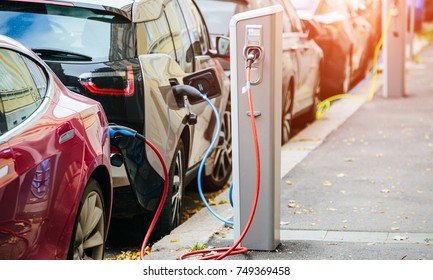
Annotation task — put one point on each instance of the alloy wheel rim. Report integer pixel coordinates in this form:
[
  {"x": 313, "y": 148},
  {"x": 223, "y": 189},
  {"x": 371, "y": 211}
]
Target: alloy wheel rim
[
  {"x": 287, "y": 118},
  {"x": 89, "y": 236},
  {"x": 176, "y": 200},
  {"x": 223, "y": 151}
]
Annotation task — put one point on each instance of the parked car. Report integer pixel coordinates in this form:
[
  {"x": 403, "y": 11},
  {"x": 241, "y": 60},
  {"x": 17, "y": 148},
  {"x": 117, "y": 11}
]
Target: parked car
[
  {"x": 420, "y": 13},
  {"x": 218, "y": 14},
  {"x": 55, "y": 183},
  {"x": 128, "y": 55},
  {"x": 346, "y": 40},
  {"x": 372, "y": 11},
  {"x": 302, "y": 56}
]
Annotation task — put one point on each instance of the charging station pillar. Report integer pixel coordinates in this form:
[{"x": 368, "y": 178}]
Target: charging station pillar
[
  {"x": 394, "y": 48},
  {"x": 261, "y": 28}
]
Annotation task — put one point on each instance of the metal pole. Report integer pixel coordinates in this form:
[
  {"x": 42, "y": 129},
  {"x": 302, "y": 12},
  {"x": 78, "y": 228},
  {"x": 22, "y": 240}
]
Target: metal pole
[
  {"x": 411, "y": 29},
  {"x": 394, "y": 48}
]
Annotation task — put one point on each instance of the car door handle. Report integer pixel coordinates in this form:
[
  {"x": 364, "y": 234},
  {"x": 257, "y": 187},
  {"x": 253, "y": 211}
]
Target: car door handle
[
  {"x": 65, "y": 132},
  {"x": 299, "y": 47},
  {"x": 7, "y": 157},
  {"x": 4, "y": 170}
]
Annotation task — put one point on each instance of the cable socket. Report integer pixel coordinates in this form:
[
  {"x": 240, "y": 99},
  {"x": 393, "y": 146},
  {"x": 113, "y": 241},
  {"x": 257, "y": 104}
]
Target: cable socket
[{"x": 253, "y": 54}]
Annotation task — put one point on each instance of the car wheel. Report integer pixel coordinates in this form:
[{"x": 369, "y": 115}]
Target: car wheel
[
  {"x": 171, "y": 214},
  {"x": 221, "y": 157},
  {"x": 287, "y": 115},
  {"x": 311, "y": 114},
  {"x": 88, "y": 237}
]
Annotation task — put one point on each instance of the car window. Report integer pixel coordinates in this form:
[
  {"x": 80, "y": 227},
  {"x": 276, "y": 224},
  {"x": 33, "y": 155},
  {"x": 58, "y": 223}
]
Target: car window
[
  {"x": 219, "y": 13},
  {"x": 23, "y": 85},
  {"x": 65, "y": 31},
  {"x": 287, "y": 24},
  {"x": 198, "y": 32},
  {"x": 157, "y": 38},
  {"x": 294, "y": 19},
  {"x": 179, "y": 31}
]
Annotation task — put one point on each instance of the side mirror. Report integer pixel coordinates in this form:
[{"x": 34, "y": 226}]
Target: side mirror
[
  {"x": 312, "y": 29},
  {"x": 223, "y": 46}
]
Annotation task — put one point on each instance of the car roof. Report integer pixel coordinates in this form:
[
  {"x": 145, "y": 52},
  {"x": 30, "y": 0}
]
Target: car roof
[{"x": 134, "y": 10}]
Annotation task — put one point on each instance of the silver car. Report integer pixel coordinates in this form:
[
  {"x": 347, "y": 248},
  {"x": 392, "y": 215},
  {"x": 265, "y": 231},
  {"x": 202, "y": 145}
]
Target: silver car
[{"x": 302, "y": 57}]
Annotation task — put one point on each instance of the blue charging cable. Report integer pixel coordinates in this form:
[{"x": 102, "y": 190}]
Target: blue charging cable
[{"x": 208, "y": 151}]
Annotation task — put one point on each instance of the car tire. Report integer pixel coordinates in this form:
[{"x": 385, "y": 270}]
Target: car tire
[
  {"x": 287, "y": 114},
  {"x": 88, "y": 236},
  {"x": 221, "y": 157},
  {"x": 171, "y": 214},
  {"x": 311, "y": 114}
]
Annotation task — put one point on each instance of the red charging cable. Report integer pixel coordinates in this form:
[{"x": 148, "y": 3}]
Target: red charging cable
[
  {"x": 234, "y": 250},
  {"x": 161, "y": 203}
]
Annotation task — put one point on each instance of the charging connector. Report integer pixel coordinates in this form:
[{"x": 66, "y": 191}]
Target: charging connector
[{"x": 252, "y": 55}]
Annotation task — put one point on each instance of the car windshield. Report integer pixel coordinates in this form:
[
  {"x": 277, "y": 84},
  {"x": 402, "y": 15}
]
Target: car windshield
[
  {"x": 218, "y": 15},
  {"x": 305, "y": 5},
  {"x": 66, "y": 33}
]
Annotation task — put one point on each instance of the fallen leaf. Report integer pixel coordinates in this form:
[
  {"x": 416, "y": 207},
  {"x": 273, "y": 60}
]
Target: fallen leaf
[
  {"x": 292, "y": 204},
  {"x": 341, "y": 175},
  {"x": 349, "y": 159},
  {"x": 327, "y": 183},
  {"x": 289, "y": 183},
  {"x": 395, "y": 228},
  {"x": 223, "y": 201},
  {"x": 297, "y": 212},
  {"x": 173, "y": 240}
]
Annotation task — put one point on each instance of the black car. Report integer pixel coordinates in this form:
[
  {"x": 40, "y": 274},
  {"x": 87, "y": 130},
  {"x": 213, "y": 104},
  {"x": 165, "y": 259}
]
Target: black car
[{"x": 128, "y": 55}]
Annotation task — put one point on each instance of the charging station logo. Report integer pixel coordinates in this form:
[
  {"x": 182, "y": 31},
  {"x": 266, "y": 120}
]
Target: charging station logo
[{"x": 41, "y": 179}]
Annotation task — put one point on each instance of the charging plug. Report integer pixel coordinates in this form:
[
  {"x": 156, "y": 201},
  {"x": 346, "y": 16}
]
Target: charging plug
[
  {"x": 252, "y": 54},
  {"x": 116, "y": 130}
]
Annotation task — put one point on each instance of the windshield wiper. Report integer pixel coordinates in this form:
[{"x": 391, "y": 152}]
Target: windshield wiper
[{"x": 62, "y": 55}]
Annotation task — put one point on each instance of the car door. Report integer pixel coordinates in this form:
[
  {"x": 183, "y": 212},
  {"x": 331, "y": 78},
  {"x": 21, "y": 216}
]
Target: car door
[
  {"x": 308, "y": 61},
  {"x": 42, "y": 152},
  {"x": 200, "y": 41}
]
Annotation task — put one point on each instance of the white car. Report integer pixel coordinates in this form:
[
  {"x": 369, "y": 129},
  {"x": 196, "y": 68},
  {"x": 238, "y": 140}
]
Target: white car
[{"x": 303, "y": 58}]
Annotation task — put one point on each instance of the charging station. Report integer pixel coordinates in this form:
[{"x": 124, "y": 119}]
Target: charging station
[
  {"x": 394, "y": 48},
  {"x": 259, "y": 30}
]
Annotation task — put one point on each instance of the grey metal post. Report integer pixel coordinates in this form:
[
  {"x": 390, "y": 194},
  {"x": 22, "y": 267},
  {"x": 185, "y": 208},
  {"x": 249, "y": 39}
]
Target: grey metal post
[
  {"x": 394, "y": 48},
  {"x": 266, "y": 87}
]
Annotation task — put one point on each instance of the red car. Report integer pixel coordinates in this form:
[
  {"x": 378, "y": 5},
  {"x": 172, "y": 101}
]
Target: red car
[{"x": 55, "y": 176}]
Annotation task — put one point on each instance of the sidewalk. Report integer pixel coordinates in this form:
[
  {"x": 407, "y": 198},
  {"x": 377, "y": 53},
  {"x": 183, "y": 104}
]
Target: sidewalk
[{"x": 362, "y": 191}]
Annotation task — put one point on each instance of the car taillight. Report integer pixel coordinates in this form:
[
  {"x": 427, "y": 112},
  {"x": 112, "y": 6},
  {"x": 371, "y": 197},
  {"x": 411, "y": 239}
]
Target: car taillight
[
  {"x": 119, "y": 83},
  {"x": 114, "y": 150}
]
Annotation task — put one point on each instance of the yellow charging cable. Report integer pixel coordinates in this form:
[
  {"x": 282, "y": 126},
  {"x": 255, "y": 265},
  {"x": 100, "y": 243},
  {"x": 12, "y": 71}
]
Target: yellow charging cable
[{"x": 324, "y": 105}]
